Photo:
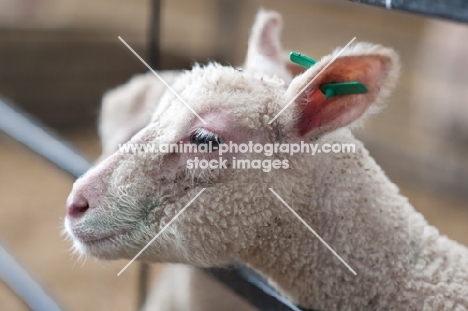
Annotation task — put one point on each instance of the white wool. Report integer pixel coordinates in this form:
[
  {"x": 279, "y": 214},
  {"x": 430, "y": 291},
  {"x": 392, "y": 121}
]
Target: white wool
[{"x": 402, "y": 263}]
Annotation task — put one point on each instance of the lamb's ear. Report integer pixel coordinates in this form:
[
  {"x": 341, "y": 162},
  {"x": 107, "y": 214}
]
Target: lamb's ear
[
  {"x": 265, "y": 53},
  {"x": 124, "y": 111},
  {"x": 374, "y": 66}
]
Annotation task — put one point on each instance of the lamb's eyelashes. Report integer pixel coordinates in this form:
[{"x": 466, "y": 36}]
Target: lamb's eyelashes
[{"x": 202, "y": 136}]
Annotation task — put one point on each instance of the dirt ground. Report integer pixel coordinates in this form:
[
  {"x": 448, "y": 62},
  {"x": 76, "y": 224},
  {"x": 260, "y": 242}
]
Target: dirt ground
[{"x": 33, "y": 193}]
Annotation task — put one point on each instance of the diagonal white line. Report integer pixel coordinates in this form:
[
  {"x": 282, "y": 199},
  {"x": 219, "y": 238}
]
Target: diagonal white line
[
  {"x": 312, "y": 230},
  {"x": 311, "y": 81},
  {"x": 162, "y": 230},
  {"x": 163, "y": 82}
]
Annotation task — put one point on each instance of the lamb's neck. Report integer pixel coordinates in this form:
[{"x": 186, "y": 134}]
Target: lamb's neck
[{"x": 351, "y": 204}]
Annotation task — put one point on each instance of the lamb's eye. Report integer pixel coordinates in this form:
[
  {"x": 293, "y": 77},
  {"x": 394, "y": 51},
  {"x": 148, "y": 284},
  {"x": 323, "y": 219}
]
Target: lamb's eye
[{"x": 204, "y": 137}]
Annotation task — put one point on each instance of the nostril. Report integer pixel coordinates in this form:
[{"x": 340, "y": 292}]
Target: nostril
[{"x": 77, "y": 207}]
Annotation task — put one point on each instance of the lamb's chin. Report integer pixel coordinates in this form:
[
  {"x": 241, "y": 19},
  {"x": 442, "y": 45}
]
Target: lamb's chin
[
  {"x": 101, "y": 246},
  {"x": 103, "y": 249}
]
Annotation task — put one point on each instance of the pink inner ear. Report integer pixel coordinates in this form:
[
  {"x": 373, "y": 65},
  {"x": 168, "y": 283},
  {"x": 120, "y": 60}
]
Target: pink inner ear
[
  {"x": 320, "y": 115},
  {"x": 323, "y": 115}
]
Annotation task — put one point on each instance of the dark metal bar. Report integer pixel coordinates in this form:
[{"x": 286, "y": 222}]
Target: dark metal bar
[
  {"x": 143, "y": 279},
  {"x": 23, "y": 285},
  {"x": 154, "y": 50},
  {"x": 31, "y": 133},
  {"x": 252, "y": 287},
  {"x": 241, "y": 280},
  {"x": 456, "y": 10}
]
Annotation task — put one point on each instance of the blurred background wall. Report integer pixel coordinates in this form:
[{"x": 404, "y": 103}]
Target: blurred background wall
[{"x": 57, "y": 57}]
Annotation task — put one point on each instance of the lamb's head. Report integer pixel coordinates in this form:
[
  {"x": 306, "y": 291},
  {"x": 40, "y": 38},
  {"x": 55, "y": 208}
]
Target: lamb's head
[{"x": 118, "y": 206}]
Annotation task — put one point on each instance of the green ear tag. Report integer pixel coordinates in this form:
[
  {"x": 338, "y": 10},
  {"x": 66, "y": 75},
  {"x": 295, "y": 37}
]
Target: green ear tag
[
  {"x": 302, "y": 60},
  {"x": 329, "y": 89},
  {"x": 343, "y": 88}
]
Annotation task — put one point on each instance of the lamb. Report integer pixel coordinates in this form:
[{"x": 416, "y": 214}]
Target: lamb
[{"x": 402, "y": 263}]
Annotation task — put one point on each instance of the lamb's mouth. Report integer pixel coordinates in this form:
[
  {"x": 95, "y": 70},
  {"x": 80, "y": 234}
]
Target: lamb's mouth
[{"x": 97, "y": 238}]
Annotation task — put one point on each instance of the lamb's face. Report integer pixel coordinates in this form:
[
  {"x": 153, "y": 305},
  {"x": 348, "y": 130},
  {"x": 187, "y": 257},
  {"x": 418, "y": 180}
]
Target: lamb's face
[{"x": 117, "y": 207}]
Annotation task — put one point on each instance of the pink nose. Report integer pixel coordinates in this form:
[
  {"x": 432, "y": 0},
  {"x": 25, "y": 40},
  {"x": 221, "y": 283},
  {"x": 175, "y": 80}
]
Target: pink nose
[{"x": 77, "y": 207}]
